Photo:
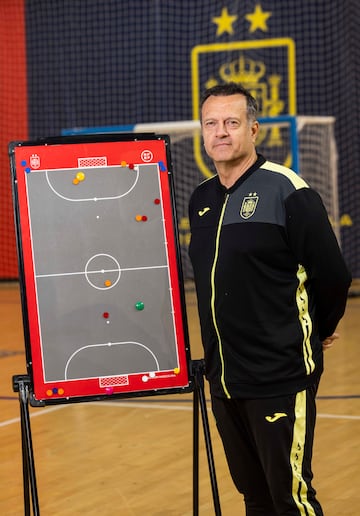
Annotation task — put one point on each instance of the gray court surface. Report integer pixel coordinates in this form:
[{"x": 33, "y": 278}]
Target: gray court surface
[{"x": 101, "y": 272}]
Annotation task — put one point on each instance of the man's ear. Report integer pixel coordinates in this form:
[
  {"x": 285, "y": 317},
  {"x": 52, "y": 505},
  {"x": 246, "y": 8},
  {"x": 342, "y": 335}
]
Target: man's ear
[{"x": 255, "y": 130}]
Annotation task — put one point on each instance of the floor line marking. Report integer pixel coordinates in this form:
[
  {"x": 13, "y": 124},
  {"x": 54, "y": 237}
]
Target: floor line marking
[
  {"x": 142, "y": 405},
  {"x": 338, "y": 416},
  {"x": 32, "y": 415}
]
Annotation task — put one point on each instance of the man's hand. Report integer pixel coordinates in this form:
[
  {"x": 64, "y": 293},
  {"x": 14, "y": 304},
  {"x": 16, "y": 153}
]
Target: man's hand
[{"x": 329, "y": 341}]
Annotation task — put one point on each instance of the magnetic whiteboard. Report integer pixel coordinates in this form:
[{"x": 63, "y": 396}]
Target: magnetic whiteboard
[{"x": 100, "y": 273}]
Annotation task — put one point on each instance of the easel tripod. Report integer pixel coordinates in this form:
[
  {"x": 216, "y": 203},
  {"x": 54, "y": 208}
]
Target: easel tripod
[
  {"x": 198, "y": 368},
  {"x": 22, "y": 384}
]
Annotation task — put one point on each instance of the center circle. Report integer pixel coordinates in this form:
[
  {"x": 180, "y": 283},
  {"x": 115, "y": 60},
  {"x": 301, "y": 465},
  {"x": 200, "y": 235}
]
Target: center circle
[{"x": 102, "y": 271}]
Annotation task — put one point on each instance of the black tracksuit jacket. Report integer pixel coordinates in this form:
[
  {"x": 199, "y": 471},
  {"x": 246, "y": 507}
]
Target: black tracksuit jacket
[{"x": 270, "y": 278}]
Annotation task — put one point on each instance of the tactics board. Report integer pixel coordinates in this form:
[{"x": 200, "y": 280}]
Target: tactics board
[{"x": 100, "y": 273}]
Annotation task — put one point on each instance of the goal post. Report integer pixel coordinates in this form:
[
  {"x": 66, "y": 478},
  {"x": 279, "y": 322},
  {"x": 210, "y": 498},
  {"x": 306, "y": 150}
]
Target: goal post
[{"x": 305, "y": 144}]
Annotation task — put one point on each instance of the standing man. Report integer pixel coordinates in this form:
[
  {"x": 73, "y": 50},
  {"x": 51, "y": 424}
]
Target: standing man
[{"x": 271, "y": 286}]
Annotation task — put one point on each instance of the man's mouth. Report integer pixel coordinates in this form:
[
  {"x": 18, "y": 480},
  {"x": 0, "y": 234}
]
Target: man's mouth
[{"x": 222, "y": 144}]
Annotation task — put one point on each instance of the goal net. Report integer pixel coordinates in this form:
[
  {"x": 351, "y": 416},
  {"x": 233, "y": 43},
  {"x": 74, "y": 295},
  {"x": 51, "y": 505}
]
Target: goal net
[{"x": 304, "y": 143}]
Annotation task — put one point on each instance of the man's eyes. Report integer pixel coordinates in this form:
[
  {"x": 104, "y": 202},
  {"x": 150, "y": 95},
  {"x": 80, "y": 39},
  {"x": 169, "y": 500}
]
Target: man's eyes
[
  {"x": 229, "y": 123},
  {"x": 232, "y": 123}
]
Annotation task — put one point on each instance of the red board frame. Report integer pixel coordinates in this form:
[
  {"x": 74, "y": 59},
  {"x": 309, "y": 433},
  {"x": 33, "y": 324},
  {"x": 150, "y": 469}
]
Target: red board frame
[{"x": 64, "y": 153}]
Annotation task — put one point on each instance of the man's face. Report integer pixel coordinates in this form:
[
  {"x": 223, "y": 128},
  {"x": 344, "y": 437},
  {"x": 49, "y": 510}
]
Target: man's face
[{"x": 228, "y": 135}]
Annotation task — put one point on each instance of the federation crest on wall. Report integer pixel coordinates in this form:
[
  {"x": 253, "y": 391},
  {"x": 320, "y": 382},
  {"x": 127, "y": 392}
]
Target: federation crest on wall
[{"x": 254, "y": 64}]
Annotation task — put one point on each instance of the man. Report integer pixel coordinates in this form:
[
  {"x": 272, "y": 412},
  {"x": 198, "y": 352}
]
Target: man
[{"x": 271, "y": 286}]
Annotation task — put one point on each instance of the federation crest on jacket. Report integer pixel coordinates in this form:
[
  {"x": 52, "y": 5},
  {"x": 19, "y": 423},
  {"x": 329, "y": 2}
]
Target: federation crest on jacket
[{"x": 248, "y": 205}]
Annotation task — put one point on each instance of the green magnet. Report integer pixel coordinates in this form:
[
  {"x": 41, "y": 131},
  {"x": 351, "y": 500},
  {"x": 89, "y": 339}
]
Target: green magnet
[{"x": 139, "y": 305}]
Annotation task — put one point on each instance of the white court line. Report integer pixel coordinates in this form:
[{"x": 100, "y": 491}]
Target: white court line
[
  {"x": 157, "y": 406},
  {"x": 145, "y": 405},
  {"x": 33, "y": 414},
  {"x": 338, "y": 416},
  {"x": 101, "y": 271}
]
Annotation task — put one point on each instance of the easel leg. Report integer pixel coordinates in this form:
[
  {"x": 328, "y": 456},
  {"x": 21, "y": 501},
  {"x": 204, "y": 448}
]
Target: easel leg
[
  {"x": 196, "y": 454},
  {"x": 25, "y": 464},
  {"x": 199, "y": 397},
  {"x": 21, "y": 385}
]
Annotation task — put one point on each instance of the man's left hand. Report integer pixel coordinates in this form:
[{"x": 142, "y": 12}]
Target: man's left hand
[{"x": 329, "y": 341}]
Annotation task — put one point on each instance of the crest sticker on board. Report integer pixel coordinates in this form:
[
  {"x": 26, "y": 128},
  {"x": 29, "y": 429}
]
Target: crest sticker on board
[{"x": 35, "y": 161}]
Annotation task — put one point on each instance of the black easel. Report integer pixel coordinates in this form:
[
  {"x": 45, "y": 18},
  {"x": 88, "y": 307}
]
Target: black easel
[
  {"x": 21, "y": 385},
  {"x": 198, "y": 369}
]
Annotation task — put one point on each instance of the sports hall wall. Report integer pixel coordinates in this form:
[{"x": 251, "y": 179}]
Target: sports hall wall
[{"x": 80, "y": 63}]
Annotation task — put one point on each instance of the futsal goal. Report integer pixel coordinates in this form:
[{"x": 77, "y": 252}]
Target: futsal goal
[{"x": 304, "y": 143}]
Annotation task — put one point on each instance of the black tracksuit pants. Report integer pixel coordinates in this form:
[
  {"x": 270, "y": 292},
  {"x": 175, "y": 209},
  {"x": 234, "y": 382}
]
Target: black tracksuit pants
[{"x": 268, "y": 445}]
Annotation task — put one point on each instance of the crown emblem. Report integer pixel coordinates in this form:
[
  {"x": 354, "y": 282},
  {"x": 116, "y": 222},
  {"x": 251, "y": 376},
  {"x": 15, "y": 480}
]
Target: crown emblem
[
  {"x": 242, "y": 70},
  {"x": 248, "y": 205}
]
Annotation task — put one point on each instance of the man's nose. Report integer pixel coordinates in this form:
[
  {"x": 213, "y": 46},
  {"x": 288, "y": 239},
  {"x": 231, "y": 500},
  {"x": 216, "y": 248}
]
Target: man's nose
[{"x": 221, "y": 129}]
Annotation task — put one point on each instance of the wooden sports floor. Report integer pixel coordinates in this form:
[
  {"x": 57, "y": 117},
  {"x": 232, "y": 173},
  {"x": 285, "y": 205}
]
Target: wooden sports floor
[{"x": 134, "y": 457}]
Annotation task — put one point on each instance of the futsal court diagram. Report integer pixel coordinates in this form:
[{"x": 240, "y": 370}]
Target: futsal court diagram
[{"x": 103, "y": 285}]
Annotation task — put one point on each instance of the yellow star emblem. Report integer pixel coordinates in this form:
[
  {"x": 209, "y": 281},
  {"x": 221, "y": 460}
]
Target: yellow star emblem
[
  {"x": 224, "y": 22},
  {"x": 258, "y": 19}
]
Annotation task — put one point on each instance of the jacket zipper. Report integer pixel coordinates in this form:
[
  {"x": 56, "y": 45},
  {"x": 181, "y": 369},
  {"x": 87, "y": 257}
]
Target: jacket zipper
[{"x": 213, "y": 295}]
